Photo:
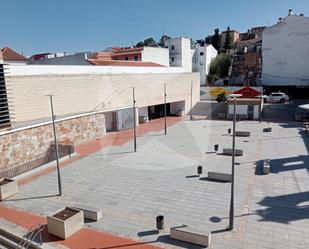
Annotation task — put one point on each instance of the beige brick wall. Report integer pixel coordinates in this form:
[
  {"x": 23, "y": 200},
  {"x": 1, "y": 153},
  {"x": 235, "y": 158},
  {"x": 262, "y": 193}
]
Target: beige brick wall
[
  {"x": 26, "y": 149},
  {"x": 84, "y": 93}
]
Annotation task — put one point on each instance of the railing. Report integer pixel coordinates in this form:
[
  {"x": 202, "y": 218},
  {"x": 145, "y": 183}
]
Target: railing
[{"x": 31, "y": 235}]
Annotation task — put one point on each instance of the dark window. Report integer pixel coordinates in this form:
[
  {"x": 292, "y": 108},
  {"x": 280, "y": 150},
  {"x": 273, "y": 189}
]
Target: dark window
[
  {"x": 201, "y": 53},
  {"x": 172, "y": 59},
  {"x": 4, "y": 107},
  {"x": 172, "y": 47},
  {"x": 126, "y": 58},
  {"x": 136, "y": 58}
]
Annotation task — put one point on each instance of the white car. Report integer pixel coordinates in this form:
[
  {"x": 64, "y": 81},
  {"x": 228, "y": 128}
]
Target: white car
[{"x": 277, "y": 98}]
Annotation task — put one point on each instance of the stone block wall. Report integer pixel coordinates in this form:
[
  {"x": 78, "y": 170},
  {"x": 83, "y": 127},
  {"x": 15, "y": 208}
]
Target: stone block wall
[{"x": 28, "y": 148}]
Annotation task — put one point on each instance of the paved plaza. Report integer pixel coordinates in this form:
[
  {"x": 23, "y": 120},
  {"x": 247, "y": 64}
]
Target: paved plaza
[{"x": 271, "y": 211}]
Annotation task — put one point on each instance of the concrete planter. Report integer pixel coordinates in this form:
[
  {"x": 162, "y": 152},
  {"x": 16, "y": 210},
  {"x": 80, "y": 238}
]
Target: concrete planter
[
  {"x": 242, "y": 133},
  {"x": 65, "y": 222},
  {"x": 8, "y": 187},
  {"x": 229, "y": 152},
  {"x": 180, "y": 113}
]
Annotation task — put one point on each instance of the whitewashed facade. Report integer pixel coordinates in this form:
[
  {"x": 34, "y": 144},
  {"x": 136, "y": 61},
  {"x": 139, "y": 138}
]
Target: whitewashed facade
[
  {"x": 286, "y": 52},
  {"x": 180, "y": 52},
  {"x": 203, "y": 55}
]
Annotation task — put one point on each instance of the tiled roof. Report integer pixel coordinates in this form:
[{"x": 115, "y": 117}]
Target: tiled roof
[
  {"x": 10, "y": 55},
  {"x": 123, "y": 63}
]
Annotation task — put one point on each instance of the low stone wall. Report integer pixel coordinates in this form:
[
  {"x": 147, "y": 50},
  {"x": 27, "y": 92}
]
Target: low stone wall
[{"x": 28, "y": 148}]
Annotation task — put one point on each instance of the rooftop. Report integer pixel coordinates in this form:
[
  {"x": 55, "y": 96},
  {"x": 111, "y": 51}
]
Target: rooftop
[{"x": 9, "y": 54}]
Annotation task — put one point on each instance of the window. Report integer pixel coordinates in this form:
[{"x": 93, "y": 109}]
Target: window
[
  {"x": 172, "y": 59},
  {"x": 135, "y": 57},
  {"x": 201, "y": 53},
  {"x": 172, "y": 47}
]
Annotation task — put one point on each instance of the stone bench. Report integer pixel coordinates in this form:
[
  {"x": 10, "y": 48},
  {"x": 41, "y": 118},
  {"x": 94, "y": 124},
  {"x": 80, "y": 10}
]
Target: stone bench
[
  {"x": 266, "y": 167},
  {"x": 190, "y": 235},
  {"x": 242, "y": 133},
  {"x": 268, "y": 129},
  {"x": 229, "y": 152},
  {"x": 90, "y": 213},
  {"x": 219, "y": 176}
]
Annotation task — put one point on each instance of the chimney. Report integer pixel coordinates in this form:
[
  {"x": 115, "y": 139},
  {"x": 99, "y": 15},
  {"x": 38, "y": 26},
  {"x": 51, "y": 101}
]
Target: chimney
[
  {"x": 280, "y": 20},
  {"x": 290, "y": 12}
]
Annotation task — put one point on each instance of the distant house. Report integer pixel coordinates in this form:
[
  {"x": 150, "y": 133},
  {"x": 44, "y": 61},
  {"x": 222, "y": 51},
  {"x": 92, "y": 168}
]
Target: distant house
[
  {"x": 60, "y": 58},
  {"x": 203, "y": 55},
  {"x": 9, "y": 56},
  {"x": 180, "y": 52},
  {"x": 112, "y": 56},
  {"x": 285, "y": 53}
]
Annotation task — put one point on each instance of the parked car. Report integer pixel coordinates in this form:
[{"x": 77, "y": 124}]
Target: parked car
[
  {"x": 277, "y": 98},
  {"x": 302, "y": 113}
]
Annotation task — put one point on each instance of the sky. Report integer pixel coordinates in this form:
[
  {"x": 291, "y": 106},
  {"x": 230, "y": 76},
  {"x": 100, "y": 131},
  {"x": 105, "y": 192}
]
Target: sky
[{"x": 37, "y": 26}]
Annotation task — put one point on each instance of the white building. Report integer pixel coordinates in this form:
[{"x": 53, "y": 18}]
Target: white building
[
  {"x": 203, "y": 55},
  {"x": 156, "y": 54},
  {"x": 286, "y": 52},
  {"x": 180, "y": 52}
]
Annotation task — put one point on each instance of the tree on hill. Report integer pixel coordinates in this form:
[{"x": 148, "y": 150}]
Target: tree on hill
[
  {"x": 208, "y": 39},
  {"x": 162, "y": 39},
  {"x": 228, "y": 40},
  {"x": 219, "y": 67},
  {"x": 148, "y": 42},
  {"x": 216, "y": 40}
]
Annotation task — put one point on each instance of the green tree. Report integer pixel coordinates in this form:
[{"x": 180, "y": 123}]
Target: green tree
[
  {"x": 219, "y": 67},
  {"x": 148, "y": 42},
  {"x": 208, "y": 39},
  {"x": 228, "y": 40},
  {"x": 162, "y": 39},
  {"x": 216, "y": 40}
]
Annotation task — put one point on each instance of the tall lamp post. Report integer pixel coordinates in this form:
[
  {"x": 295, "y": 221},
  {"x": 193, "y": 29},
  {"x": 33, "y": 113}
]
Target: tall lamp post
[
  {"x": 231, "y": 218},
  {"x": 56, "y": 143},
  {"x": 134, "y": 117},
  {"x": 165, "y": 125},
  {"x": 191, "y": 100}
]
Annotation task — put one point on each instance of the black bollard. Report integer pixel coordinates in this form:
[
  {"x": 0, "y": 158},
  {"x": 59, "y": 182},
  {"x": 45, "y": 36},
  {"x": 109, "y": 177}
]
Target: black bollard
[
  {"x": 199, "y": 170},
  {"x": 160, "y": 222},
  {"x": 216, "y": 147}
]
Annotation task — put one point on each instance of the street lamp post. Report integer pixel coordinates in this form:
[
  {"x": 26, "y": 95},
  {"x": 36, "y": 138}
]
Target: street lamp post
[
  {"x": 191, "y": 100},
  {"x": 231, "y": 218},
  {"x": 56, "y": 143},
  {"x": 165, "y": 125},
  {"x": 134, "y": 117}
]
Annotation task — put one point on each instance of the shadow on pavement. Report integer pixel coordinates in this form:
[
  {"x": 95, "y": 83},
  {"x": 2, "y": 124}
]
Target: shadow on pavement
[{"x": 285, "y": 208}]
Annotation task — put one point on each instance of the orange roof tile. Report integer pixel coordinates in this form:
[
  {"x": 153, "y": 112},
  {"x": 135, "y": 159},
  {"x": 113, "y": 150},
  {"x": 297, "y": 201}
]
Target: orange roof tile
[
  {"x": 123, "y": 63},
  {"x": 10, "y": 55}
]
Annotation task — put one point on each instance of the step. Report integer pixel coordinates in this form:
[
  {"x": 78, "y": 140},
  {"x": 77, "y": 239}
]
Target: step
[
  {"x": 15, "y": 233},
  {"x": 191, "y": 235},
  {"x": 219, "y": 176},
  {"x": 7, "y": 243},
  {"x": 90, "y": 213}
]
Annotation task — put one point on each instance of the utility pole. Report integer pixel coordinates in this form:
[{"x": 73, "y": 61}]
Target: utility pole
[
  {"x": 134, "y": 115},
  {"x": 261, "y": 104},
  {"x": 165, "y": 125},
  {"x": 191, "y": 100},
  {"x": 56, "y": 143},
  {"x": 231, "y": 218}
]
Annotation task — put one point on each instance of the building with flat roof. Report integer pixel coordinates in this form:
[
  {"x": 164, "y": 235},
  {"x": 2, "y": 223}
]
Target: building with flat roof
[
  {"x": 202, "y": 57},
  {"x": 82, "y": 89},
  {"x": 180, "y": 52}
]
